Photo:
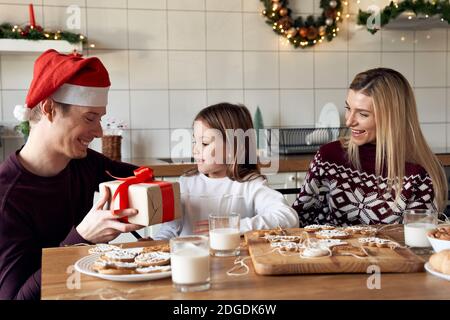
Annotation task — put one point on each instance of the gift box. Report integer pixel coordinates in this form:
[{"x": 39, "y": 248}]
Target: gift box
[{"x": 156, "y": 201}]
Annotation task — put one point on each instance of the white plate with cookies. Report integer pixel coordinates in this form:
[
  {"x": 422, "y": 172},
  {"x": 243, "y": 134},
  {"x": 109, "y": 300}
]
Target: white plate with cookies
[{"x": 86, "y": 265}]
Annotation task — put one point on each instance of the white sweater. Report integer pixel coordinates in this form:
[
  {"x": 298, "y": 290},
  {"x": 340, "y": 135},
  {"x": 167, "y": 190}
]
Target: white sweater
[{"x": 260, "y": 206}]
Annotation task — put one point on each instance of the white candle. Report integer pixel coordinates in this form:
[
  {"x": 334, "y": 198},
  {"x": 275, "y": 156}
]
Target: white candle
[
  {"x": 224, "y": 239},
  {"x": 416, "y": 234},
  {"x": 190, "y": 265}
]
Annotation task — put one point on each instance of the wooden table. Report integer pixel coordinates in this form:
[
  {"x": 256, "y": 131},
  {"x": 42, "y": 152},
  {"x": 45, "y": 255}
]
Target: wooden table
[{"x": 57, "y": 273}]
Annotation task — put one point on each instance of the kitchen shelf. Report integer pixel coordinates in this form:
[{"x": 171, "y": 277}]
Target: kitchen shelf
[
  {"x": 404, "y": 22},
  {"x": 14, "y": 46}
]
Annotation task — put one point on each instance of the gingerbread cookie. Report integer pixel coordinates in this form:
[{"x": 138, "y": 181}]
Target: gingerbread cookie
[
  {"x": 287, "y": 246},
  {"x": 149, "y": 259},
  {"x": 119, "y": 256},
  {"x": 271, "y": 232},
  {"x": 318, "y": 227},
  {"x": 274, "y": 238},
  {"x": 161, "y": 248},
  {"x": 153, "y": 269},
  {"x": 107, "y": 267},
  {"x": 329, "y": 243},
  {"x": 332, "y": 234},
  {"x": 378, "y": 242},
  {"x": 364, "y": 230},
  {"x": 349, "y": 250},
  {"x": 102, "y": 248}
]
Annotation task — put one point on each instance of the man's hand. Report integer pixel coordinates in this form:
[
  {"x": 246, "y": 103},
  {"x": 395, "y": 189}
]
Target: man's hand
[{"x": 101, "y": 226}]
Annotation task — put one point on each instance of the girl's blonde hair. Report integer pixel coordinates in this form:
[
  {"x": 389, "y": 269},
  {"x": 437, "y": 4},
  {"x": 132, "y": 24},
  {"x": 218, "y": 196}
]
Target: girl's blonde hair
[
  {"x": 399, "y": 138},
  {"x": 225, "y": 117}
]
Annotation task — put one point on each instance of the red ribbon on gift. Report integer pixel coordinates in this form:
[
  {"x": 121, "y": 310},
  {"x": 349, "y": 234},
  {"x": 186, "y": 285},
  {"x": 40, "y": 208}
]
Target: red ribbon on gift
[{"x": 145, "y": 175}]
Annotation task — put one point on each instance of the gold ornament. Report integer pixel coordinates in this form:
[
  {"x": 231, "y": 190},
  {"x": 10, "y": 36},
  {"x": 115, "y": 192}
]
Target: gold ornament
[
  {"x": 291, "y": 32},
  {"x": 276, "y": 7},
  {"x": 322, "y": 31},
  {"x": 283, "y": 12},
  {"x": 333, "y": 3}
]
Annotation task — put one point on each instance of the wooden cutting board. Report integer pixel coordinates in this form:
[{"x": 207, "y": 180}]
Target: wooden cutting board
[{"x": 388, "y": 260}]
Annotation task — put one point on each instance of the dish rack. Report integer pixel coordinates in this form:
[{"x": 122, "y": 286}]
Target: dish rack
[{"x": 301, "y": 140}]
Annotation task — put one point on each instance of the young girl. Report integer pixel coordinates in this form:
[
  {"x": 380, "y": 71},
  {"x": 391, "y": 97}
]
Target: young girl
[
  {"x": 383, "y": 168},
  {"x": 227, "y": 178}
]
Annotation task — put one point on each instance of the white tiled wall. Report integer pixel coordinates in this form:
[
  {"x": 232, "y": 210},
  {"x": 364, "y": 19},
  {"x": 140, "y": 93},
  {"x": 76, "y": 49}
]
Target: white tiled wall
[{"x": 169, "y": 58}]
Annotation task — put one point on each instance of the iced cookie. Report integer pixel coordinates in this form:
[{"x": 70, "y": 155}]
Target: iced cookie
[
  {"x": 332, "y": 234},
  {"x": 148, "y": 259}
]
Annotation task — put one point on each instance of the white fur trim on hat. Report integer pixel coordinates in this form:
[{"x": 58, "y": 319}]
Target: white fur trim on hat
[
  {"x": 82, "y": 96},
  {"x": 22, "y": 112}
]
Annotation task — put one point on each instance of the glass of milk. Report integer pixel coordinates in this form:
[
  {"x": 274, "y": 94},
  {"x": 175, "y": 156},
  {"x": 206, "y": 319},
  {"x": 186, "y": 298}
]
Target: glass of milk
[
  {"x": 417, "y": 222},
  {"x": 189, "y": 257},
  {"x": 224, "y": 234}
]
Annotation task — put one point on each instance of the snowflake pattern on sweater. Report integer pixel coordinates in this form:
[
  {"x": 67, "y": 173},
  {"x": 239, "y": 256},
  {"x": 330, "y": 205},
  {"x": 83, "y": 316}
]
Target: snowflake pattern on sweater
[{"x": 334, "y": 192}]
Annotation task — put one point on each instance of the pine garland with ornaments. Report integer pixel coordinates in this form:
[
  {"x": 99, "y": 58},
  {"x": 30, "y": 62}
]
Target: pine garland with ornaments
[
  {"x": 302, "y": 32},
  {"x": 419, "y": 8},
  {"x": 32, "y": 31}
]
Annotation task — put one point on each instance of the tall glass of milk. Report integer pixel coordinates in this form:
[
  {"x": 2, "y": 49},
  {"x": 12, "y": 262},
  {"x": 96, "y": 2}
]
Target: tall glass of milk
[
  {"x": 417, "y": 222},
  {"x": 224, "y": 234},
  {"x": 189, "y": 258}
]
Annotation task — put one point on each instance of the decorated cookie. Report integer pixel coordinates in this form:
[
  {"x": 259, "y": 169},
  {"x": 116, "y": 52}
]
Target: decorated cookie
[
  {"x": 349, "y": 250},
  {"x": 378, "y": 242},
  {"x": 102, "y": 248},
  {"x": 274, "y": 238},
  {"x": 148, "y": 259},
  {"x": 364, "y": 230},
  {"x": 162, "y": 248},
  {"x": 153, "y": 269},
  {"x": 287, "y": 246},
  {"x": 329, "y": 243},
  {"x": 332, "y": 234},
  {"x": 318, "y": 227},
  {"x": 119, "y": 256},
  {"x": 107, "y": 267}
]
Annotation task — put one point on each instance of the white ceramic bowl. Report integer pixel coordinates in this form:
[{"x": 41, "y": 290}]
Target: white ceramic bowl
[{"x": 438, "y": 244}]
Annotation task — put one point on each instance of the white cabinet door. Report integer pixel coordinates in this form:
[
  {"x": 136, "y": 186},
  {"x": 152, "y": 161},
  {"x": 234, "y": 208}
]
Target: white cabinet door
[{"x": 284, "y": 180}]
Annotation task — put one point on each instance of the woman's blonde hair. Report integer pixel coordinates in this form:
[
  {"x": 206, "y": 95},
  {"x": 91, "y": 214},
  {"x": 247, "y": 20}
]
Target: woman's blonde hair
[
  {"x": 227, "y": 118},
  {"x": 399, "y": 138}
]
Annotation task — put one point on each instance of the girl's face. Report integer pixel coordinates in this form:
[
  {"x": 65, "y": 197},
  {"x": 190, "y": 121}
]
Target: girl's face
[
  {"x": 206, "y": 149},
  {"x": 360, "y": 118}
]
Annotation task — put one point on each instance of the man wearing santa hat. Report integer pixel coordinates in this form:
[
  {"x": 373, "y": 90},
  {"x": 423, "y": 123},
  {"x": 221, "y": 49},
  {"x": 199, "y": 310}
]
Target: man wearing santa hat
[{"x": 47, "y": 187}]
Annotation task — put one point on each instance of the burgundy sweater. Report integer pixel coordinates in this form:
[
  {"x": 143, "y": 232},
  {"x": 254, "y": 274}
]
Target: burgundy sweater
[
  {"x": 40, "y": 212},
  {"x": 335, "y": 192}
]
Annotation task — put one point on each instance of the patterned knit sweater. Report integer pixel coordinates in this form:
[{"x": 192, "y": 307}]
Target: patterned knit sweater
[{"x": 335, "y": 192}]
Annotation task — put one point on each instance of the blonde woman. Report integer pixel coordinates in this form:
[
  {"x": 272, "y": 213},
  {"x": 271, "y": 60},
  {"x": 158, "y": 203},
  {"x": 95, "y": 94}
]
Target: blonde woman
[{"x": 384, "y": 167}]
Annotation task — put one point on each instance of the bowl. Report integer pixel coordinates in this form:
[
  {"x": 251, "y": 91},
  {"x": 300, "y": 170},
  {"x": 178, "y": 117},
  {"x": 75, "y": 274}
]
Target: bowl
[{"x": 438, "y": 244}]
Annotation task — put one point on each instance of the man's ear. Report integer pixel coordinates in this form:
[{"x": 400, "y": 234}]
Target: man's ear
[{"x": 48, "y": 109}]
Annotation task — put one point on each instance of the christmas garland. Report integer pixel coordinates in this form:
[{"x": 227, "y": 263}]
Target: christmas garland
[
  {"x": 29, "y": 32},
  {"x": 303, "y": 32},
  {"x": 419, "y": 7}
]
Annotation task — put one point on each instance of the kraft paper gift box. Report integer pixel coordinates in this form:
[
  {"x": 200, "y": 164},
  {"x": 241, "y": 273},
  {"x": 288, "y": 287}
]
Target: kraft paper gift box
[{"x": 147, "y": 199}]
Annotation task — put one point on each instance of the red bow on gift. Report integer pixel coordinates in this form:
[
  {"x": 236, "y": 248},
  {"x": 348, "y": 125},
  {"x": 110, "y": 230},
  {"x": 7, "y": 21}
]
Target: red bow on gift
[{"x": 145, "y": 175}]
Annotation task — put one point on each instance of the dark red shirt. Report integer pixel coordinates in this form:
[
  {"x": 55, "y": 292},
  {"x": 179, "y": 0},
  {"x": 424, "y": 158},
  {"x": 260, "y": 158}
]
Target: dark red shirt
[
  {"x": 40, "y": 212},
  {"x": 337, "y": 193}
]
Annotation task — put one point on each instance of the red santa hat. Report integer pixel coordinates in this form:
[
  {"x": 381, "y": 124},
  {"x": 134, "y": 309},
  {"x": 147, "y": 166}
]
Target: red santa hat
[{"x": 68, "y": 79}]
